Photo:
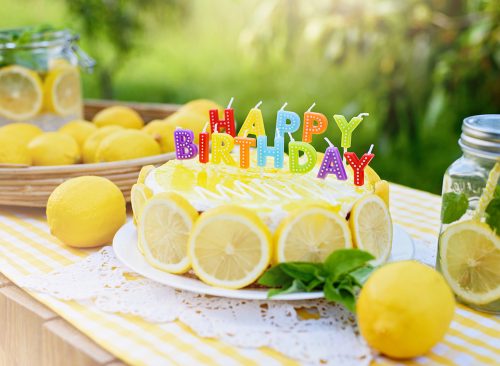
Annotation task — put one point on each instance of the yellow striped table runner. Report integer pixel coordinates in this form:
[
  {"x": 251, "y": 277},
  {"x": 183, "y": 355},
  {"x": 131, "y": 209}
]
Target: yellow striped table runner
[{"x": 26, "y": 247}]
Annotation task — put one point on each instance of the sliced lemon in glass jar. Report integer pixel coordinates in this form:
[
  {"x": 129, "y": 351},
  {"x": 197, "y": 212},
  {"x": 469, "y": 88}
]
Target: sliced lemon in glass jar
[
  {"x": 469, "y": 252},
  {"x": 21, "y": 94},
  {"x": 229, "y": 247},
  {"x": 164, "y": 227},
  {"x": 61, "y": 89}
]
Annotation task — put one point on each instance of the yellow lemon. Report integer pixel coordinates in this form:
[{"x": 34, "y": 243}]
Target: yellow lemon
[
  {"x": 21, "y": 94},
  {"x": 13, "y": 151},
  {"x": 382, "y": 190},
  {"x": 164, "y": 226},
  {"x": 93, "y": 141},
  {"x": 404, "y": 309},
  {"x": 119, "y": 115},
  {"x": 201, "y": 107},
  {"x": 62, "y": 91},
  {"x": 22, "y": 132},
  {"x": 54, "y": 148},
  {"x": 311, "y": 234},
  {"x": 139, "y": 195},
  {"x": 469, "y": 255},
  {"x": 79, "y": 129},
  {"x": 229, "y": 247},
  {"x": 163, "y": 133},
  {"x": 145, "y": 170},
  {"x": 189, "y": 120},
  {"x": 86, "y": 211},
  {"x": 371, "y": 227},
  {"x": 125, "y": 145}
]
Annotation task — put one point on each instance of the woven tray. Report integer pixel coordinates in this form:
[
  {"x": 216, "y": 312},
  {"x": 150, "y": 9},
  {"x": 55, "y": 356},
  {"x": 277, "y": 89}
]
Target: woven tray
[{"x": 32, "y": 186}]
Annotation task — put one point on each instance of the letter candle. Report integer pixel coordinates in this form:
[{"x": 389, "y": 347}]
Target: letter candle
[
  {"x": 359, "y": 165},
  {"x": 254, "y": 124},
  {"x": 277, "y": 152},
  {"x": 204, "y": 141},
  {"x": 185, "y": 148},
  {"x": 227, "y": 124},
  {"x": 310, "y": 127},
  {"x": 309, "y": 151},
  {"x": 284, "y": 116},
  {"x": 332, "y": 163},
  {"x": 245, "y": 144}
]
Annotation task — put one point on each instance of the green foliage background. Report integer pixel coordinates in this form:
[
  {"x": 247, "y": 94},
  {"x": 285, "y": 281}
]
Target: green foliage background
[{"x": 417, "y": 66}]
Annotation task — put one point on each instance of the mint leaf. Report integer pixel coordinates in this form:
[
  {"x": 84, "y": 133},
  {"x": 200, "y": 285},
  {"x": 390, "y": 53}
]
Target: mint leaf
[
  {"x": 454, "y": 206},
  {"x": 295, "y": 286},
  {"x": 496, "y": 194},
  {"x": 346, "y": 260},
  {"x": 492, "y": 214},
  {"x": 342, "y": 296},
  {"x": 304, "y": 271},
  {"x": 275, "y": 277},
  {"x": 360, "y": 275}
]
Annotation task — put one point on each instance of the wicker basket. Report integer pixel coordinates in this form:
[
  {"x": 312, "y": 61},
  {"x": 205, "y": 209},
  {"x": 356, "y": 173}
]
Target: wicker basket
[{"x": 32, "y": 186}]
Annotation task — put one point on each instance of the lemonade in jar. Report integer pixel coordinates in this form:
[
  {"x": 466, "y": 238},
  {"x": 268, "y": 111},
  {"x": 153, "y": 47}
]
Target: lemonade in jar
[
  {"x": 469, "y": 242},
  {"x": 40, "y": 76}
]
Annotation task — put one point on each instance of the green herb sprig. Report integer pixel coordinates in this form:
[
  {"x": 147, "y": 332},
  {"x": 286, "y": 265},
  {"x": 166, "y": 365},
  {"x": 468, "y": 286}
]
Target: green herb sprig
[{"x": 340, "y": 277}]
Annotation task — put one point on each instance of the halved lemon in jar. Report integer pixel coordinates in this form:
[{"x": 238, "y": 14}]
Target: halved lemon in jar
[
  {"x": 62, "y": 94},
  {"x": 470, "y": 261},
  {"x": 229, "y": 247},
  {"x": 311, "y": 234},
  {"x": 371, "y": 227},
  {"x": 21, "y": 93},
  {"x": 164, "y": 227}
]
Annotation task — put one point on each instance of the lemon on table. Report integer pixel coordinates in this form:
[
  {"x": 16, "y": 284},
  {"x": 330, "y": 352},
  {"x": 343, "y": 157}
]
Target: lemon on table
[
  {"x": 163, "y": 133},
  {"x": 164, "y": 226},
  {"x": 21, "y": 132},
  {"x": 86, "y": 211},
  {"x": 21, "y": 94},
  {"x": 192, "y": 121},
  {"x": 54, "y": 148},
  {"x": 139, "y": 195},
  {"x": 145, "y": 170},
  {"x": 13, "y": 151},
  {"x": 311, "y": 234},
  {"x": 404, "y": 309},
  {"x": 119, "y": 115},
  {"x": 229, "y": 247},
  {"x": 125, "y": 145},
  {"x": 94, "y": 140},
  {"x": 371, "y": 227},
  {"x": 79, "y": 129},
  {"x": 62, "y": 91},
  {"x": 469, "y": 254},
  {"x": 201, "y": 107}
]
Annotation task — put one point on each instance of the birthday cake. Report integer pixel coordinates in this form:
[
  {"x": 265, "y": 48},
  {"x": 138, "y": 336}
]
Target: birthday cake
[{"x": 230, "y": 212}]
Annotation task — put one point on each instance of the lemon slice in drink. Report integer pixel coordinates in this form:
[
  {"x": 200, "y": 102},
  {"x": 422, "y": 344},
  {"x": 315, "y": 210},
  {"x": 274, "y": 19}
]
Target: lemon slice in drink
[
  {"x": 21, "y": 93},
  {"x": 164, "y": 227},
  {"x": 311, "y": 234},
  {"x": 371, "y": 227},
  {"x": 470, "y": 261},
  {"x": 62, "y": 93},
  {"x": 229, "y": 247}
]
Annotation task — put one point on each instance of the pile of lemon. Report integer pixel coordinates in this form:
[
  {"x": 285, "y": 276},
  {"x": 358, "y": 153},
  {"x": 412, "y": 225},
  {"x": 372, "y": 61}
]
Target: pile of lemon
[{"x": 116, "y": 133}]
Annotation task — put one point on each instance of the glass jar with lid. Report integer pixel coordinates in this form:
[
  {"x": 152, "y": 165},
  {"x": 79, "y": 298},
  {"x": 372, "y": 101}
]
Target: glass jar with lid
[
  {"x": 469, "y": 242},
  {"x": 40, "y": 76}
]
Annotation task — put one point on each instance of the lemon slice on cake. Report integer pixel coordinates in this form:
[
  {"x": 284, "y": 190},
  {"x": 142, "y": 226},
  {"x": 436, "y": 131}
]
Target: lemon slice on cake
[
  {"x": 139, "y": 195},
  {"x": 371, "y": 227},
  {"x": 470, "y": 261},
  {"x": 164, "y": 227},
  {"x": 229, "y": 247},
  {"x": 311, "y": 234}
]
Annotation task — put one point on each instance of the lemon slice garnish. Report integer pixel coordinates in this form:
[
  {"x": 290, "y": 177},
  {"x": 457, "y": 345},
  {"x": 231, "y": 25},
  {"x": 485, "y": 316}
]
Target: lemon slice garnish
[
  {"x": 164, "y": 227},
  {"x": 62, "y": 93},
  {"x": 229, "y": 247},
  {"x": 143, "y": 174},
  {"x": 311, "y": 234},
  {"x": 470, "y": 261},
  {"x": 139, "y": 195},
  {"x": 21, "y": 93},
  {"x": 371, "y": 227}
]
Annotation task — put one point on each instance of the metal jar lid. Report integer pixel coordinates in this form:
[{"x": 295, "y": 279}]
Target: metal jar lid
[{"x": 481, "y": 136}]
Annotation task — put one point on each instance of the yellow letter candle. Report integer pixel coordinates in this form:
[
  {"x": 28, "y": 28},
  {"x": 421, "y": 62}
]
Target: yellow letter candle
[
  {"x": 347, "y": 128},
  {"x": 309, "y": 151},
  {"x": 254, "y": 124},
  {"x": 222, "y": 144}
]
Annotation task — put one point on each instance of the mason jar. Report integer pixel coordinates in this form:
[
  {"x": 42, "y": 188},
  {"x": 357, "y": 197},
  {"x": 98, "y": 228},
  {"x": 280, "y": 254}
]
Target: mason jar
[
  {"x": 469, "y": 241},
  {"x": 40, "y": 76}
]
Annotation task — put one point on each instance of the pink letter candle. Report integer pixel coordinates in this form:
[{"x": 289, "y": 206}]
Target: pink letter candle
[
  {"x": 359, "y": 165},
  {"x": 185, "y": 148}
]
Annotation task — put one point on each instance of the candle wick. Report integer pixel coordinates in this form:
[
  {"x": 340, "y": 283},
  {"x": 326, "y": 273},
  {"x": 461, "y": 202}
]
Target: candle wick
[
  {"x": 371, "y": 148},
  {"x": 284, "y": 105},
  {"x": 311, "y": 107},
  {"x": 205, "y": 127},
  {"x": 291, "y": 137},
  {"x": 343, "y": 156},
  {"x": 258, "y": 105},
  {"x": 178, "y": 127},
  {"x": 329, "y": 142},
  {"x": 246, "y": 133},
  {"x": 216, "y": 128},
  {"x": 363, "y": 115},
  {"x": 230, "y": 102}
]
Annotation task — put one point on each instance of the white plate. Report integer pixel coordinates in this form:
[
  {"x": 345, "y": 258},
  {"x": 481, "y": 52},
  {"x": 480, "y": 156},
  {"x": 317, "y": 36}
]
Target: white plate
[{"x": 125, "y": 247}]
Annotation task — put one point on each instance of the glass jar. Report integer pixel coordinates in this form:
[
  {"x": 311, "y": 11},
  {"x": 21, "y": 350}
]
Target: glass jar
[
  {"x": 40, "y": 76},
  {"x": 469, "y": 241}
]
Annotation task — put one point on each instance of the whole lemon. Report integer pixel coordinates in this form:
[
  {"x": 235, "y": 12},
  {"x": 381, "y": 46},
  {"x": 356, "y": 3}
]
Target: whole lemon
[
  {"x": 404, "y": 309},
  {"x": 92, "y": 143},
  {"x": 163, "y": 133},
  {"x": 79, "y": 129},
  {"x": 22, "y": 132},
  {"x": 200, "y": 106},
  {"x": 13, "y": 151},
  {"x": 125, "y": 145},
  {"x": 192, "y": 121},
  {"x": 118, "y": 115},
  {"x": 54, "y": 148},
  {"x": 86, "y": 211}
]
